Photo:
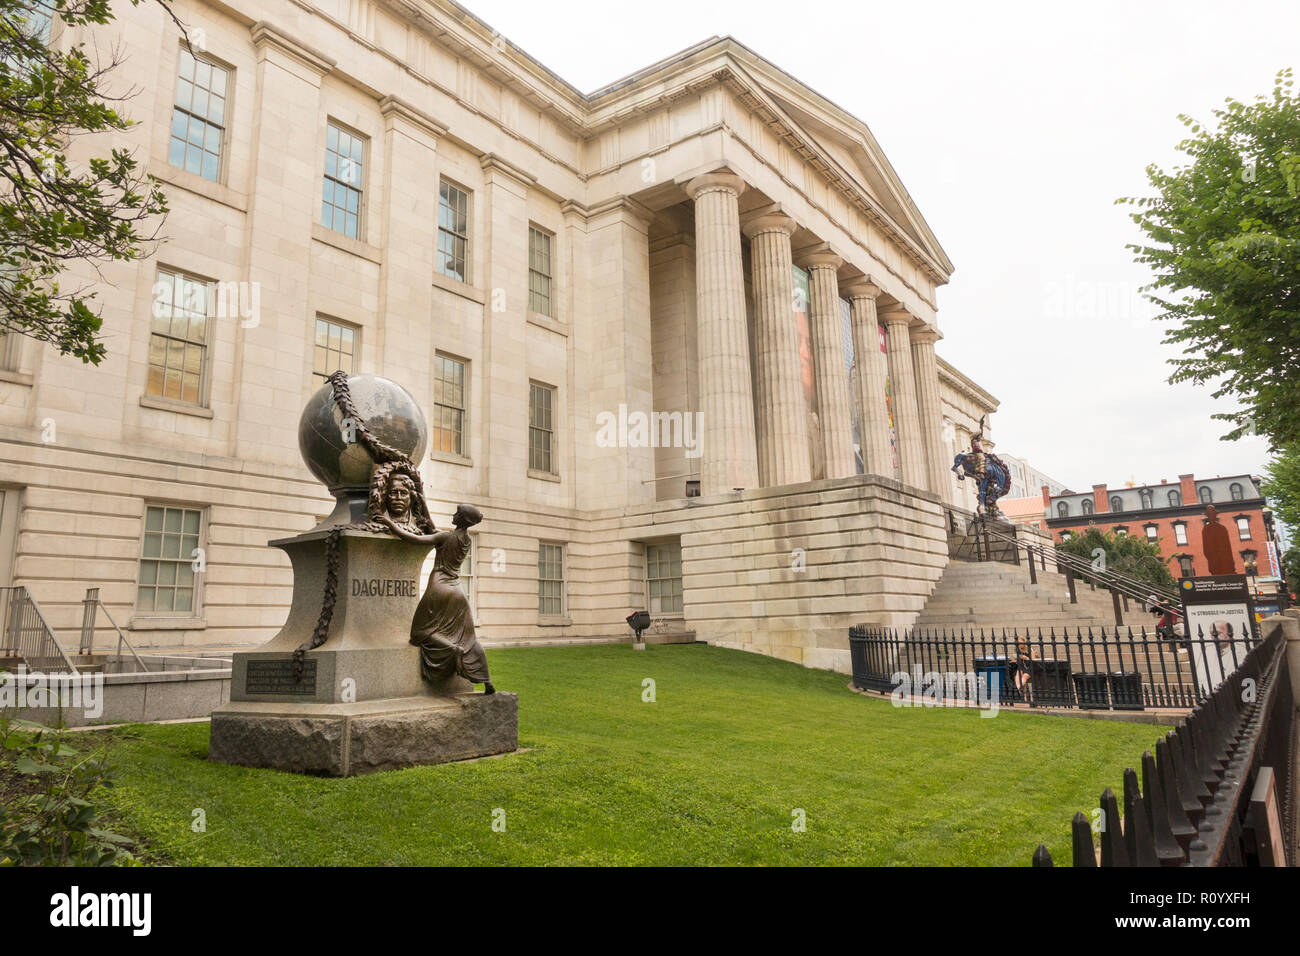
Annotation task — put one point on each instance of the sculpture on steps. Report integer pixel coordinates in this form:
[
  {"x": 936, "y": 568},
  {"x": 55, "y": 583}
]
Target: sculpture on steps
[{"x": 986, "y": 468}]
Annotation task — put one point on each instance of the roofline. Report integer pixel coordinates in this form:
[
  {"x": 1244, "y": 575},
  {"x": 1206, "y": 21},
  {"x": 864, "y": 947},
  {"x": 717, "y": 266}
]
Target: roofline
[{"x": 1167, "y": 484}]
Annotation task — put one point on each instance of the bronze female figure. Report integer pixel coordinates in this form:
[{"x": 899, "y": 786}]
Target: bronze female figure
[{"x": 443, "y": 627}]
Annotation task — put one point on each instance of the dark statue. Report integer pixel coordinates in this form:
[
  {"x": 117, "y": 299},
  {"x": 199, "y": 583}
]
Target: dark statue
[
  {"x": 986, "y": 468},
  {"x": 443, "y": 628}
]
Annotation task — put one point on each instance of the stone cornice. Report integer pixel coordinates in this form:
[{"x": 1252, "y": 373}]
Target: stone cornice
[
  {"x": 965, "y": 385},
  {"x": 394, "y": 106},
  {"x": 264, "y": 33},
  {"x": 493, "y": 162}
]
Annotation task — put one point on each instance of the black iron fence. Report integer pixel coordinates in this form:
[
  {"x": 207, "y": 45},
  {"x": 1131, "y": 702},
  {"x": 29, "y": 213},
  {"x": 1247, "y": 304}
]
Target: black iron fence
[
  {"x": 1219, "y": 790},
  {"x": 1090, "y": 668}
]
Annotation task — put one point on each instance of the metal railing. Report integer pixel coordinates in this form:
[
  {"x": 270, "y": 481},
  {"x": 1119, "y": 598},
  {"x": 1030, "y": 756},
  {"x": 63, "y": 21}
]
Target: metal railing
[
  {"x": 1091, "y": 668},
  {"x": 1220, "y": 790},
  {"x": 990, "y": 543},
  {"x": 27, "y": 637},
  {"x": 91, "y": 605}
]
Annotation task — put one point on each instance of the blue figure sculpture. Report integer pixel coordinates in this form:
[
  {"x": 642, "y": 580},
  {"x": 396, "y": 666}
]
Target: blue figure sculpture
[{"x": 988, "y": 469}]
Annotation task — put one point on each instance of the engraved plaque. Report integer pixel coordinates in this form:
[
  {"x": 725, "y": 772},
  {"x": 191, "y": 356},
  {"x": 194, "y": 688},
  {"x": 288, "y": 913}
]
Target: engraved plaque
[{"x": 276, "y": 677}]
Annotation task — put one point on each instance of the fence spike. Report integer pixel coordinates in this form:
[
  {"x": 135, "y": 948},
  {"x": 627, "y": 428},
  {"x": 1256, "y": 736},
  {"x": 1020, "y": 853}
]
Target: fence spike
[
  {"x": 1042, "y": 857},
  {"x": 1081, "y": 842},
  {"x": 1113, "y": 852},
  {"x": 1138, "y": 841},
  {"x": 1168, "y": 852}
]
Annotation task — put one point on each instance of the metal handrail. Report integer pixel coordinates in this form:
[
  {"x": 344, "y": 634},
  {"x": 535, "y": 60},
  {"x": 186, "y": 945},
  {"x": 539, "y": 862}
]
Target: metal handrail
[
  {"x": 1118, "y": 582},
  {"x": 91, "y": 605},
  {"x": 28, "y": 636}
]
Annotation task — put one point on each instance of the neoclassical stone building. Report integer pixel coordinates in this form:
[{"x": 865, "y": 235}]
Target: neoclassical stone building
[{"x": 675, "y": 338}]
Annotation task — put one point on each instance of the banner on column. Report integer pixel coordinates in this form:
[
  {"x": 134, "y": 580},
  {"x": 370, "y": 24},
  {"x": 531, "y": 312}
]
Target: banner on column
[
  {"x": 850, "y": 360},
  {"x": 889, "y": 404},
  {"x": 803, "y": 331}
]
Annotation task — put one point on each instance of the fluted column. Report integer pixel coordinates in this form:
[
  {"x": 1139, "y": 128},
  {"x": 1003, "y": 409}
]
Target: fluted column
[
  {"x": 833, "y": 403},
  {"x": 782, "y": 414},
  {"x": 907, "y": 420},
  {"x": 873, "y": 372},
  {"x": 727, "y": 455},
  {"x": 929, "y": 409}
]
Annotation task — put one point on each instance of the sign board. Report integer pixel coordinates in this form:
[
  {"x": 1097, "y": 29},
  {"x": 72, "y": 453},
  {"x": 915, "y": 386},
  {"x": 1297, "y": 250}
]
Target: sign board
[
  {"x": 1266, "y": 820},
  {"x": 1220, "y": 619}
]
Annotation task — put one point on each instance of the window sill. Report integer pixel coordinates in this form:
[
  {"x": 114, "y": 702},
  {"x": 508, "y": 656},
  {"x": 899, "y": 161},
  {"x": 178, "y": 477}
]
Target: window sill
[
  {"x": 552, "y": 620},
  {"x": 356, "y": 247},
  {"x": 548, "y": 323},
  {"x": 543, "y": 475},
  {"x": 16, "y": 378},
  {"x": 451, "y": 458},
  {"x": 456, "y": 287},
  {"x": 146, "y": 623},
  {"x": 172, "y": 405},
  {"x": 199, "y": 186}
]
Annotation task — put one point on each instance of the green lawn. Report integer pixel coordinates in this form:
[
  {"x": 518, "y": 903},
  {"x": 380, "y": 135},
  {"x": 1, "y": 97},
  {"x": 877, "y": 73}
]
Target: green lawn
[{"x": 710, "y": 773}]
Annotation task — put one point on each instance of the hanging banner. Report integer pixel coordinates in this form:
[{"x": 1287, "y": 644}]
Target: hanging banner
[{"x": 889, "y": 404}]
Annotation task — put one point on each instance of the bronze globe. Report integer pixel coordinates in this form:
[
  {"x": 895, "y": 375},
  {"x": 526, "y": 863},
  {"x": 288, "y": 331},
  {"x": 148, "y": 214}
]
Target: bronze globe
[{"x": 389, "y": 411}]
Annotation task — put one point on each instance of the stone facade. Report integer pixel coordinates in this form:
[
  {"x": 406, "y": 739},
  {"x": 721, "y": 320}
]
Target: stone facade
[{"x": 674, "y": 208}]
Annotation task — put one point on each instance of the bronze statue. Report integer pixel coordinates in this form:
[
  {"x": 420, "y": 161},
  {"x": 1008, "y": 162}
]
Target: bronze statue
[{"x": 443, "y": 627}]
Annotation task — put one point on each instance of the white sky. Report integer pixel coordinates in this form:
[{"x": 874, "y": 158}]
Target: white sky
[{"x": 1014, "y": 126}]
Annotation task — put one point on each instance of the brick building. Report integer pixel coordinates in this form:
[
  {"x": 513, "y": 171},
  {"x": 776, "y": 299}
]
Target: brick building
[{"x": 1172, "y": 515}]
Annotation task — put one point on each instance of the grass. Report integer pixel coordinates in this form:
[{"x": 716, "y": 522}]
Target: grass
[{"x": 711, "y": 772}]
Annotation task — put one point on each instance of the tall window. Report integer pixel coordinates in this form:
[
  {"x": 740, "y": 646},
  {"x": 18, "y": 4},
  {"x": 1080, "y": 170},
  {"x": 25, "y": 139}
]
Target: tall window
[
  {"x": 1180, "y": 532},
  {"x": 539, "y": 271},
  {"x": 1186, "y": 565},
  {"x": 541, "y": 429},
  {"x": 1147, "y": 496},
  {"x": 1153, "y": 532},
  {"x": 1205, "y": 494},
  {"x": 167, "y": 582},
  {"x": 1175, "y": 499},
  {"x": 1121, "y": 531},
  {"x": 341, "y": 199},
  {"x": 453, "y": 230},
  {"x": 1243, "y": 528},
  {"x": 1235, "y": 490},
  {"x": 199, "y": 117},
  {"x": 1116, "y": 503},
  {"x": 336, "y": 349},
  {"x": 448, "y": 405},
  {"x": 1086, "y": 506},
  {"x": 1249, "y": 563},
  {"x": 178, "y": 342},
  {"x": 1062, "y": 509},
  {"x": 664, "y": 578},
  {"x": 550, "y": 579}
]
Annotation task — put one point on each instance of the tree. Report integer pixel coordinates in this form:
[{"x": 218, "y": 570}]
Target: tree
[
  {"x": 1128, "y": 554},
  {"x": 1223, "y": 238},
  {"x": 52, "y": 214},
  {"x": 1281, "y": 485}
]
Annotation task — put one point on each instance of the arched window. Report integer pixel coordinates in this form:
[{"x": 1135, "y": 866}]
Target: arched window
[
  {"x": 1086, "y": 506},
  {"x": 1175, "y": 499},
  {"x": 1148, "y": 498},
  {"x": 1205, "y": 494},
  {"x": 1116, "y": 503},
  {"x": 1063, "y": 509},
  {"x": 1237, "y": 494}
]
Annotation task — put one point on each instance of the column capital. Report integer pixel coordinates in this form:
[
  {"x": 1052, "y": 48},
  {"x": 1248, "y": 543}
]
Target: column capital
[
  {"x": 266, "y": 34},
  {"x": 820, "y": 260},
  {"x": 393, "y": 107},
  {"x": 861, "y": 289},
  {"x": 716, "y": 180},
  {"x": 768, "y": 222},
  {"x": 896, "y": 315},
  {"x": 926, "y": 334}
]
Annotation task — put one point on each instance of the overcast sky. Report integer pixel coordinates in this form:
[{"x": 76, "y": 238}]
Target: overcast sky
[{"x": 1014, "y": 126}]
